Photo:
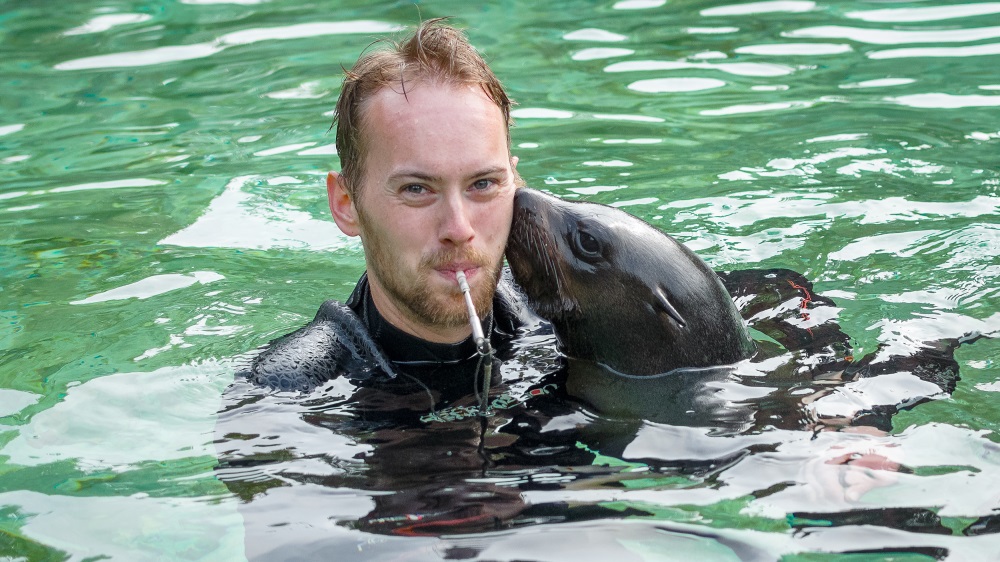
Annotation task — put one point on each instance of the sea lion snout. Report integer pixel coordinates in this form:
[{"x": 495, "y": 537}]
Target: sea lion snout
[{"x": 533, "y": 252}]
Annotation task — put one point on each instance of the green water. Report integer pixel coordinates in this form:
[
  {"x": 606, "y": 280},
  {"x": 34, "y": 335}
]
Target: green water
[{"x": 162, "y": 210}]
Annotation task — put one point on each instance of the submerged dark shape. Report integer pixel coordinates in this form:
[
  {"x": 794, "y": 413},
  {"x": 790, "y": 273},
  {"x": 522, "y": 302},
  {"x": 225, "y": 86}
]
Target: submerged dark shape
[{"x": 619, "y": 292}]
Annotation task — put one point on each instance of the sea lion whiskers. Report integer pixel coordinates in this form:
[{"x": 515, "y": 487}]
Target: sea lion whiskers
[{"x": 557, "y": 302}]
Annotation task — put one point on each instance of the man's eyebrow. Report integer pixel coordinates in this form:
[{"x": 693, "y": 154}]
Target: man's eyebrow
[
  {"x": 489, "y": 171},
  {"x": 414, "y": 174},
  {"x": 430, "y": 178}
]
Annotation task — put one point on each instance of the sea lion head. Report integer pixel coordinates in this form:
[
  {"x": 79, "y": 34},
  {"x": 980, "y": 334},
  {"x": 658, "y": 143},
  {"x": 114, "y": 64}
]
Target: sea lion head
[{"x": 620, "y": 292}]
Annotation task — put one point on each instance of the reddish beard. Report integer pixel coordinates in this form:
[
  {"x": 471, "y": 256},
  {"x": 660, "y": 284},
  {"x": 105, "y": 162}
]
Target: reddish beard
[{"x": 423, "y": 302}]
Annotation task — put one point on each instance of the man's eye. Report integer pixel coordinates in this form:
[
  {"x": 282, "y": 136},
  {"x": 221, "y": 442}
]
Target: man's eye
[
  {"x": 482, "y": 184},
  {"x": 414, "y": 189}
]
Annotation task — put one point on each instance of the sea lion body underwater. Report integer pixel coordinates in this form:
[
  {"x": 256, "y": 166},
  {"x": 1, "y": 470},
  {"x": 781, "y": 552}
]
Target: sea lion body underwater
[{"x": 619, "y": 292}]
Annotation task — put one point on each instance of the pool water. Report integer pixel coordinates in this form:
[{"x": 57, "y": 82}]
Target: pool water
[{"x": 163, "y": 213}]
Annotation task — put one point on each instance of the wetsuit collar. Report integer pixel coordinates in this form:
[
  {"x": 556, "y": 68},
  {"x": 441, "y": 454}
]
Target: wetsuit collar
[{"x": 403, "y": 348}]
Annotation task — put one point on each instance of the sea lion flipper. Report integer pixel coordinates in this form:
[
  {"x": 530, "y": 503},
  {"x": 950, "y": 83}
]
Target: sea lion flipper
[{"x": 783, "y": 304}]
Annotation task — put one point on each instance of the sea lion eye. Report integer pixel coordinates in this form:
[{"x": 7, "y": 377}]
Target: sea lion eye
[{"x": 586, "y": 246}]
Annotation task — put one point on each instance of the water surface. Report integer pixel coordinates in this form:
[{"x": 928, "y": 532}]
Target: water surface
[{"x": 163, "y": 212}]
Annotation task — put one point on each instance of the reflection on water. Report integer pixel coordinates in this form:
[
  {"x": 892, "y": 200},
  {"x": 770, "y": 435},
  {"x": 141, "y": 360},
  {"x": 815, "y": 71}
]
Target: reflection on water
[
  {"x": 179, "y": 53},
  {"x": 237, "y": 219},
  {"x": 162, "y": 212},
  {"x": 574, "y": 444}
]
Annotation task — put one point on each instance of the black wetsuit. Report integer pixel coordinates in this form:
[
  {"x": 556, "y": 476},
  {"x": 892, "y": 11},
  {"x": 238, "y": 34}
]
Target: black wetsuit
[{"x": 355, "y": 341}]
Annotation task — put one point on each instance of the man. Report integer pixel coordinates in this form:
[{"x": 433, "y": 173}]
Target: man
[{"x": 427, "y": 182}]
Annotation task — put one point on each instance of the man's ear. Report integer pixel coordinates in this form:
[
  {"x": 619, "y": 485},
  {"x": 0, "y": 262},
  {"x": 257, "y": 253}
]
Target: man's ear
[{"x": 341, "y": 204}]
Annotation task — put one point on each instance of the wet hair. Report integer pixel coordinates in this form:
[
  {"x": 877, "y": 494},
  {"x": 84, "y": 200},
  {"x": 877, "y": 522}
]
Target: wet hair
[{"x": 435, "y": 53}]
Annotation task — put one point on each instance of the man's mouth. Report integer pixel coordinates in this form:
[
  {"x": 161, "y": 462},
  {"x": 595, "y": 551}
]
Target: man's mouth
[
  {"x": 449, "y": 270},
  {"x": 472, "y": 262}
]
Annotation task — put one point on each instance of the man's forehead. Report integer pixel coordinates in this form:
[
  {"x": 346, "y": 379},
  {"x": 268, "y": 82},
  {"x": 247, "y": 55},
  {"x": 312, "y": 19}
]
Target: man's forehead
[
  {"x": 434, "y": 129},
  {"x": 416, "y": 96}
]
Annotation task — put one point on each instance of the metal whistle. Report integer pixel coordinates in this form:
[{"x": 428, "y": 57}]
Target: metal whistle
[{"x": 477, "y": 327}]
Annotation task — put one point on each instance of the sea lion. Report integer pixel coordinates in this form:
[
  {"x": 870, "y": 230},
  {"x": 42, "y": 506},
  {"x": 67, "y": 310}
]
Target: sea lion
[
  {"x": 651, "y": 332},
  {"x": 619, "y": 292}
]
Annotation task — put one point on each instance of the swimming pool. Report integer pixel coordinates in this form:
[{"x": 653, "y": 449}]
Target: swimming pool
[{"x": 162, "y": 212}]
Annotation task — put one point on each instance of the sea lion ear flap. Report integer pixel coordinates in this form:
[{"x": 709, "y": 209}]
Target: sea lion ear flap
[{"x": 662, "y": 303}]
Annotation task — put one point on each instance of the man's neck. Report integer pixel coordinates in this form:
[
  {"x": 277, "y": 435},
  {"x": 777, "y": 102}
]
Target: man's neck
[
  {"x": 403, "y": 347},
  {"x": 404, "y": 321}
]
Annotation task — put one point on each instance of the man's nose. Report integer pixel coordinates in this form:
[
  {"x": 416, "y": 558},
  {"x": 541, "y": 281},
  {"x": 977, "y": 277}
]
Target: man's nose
[{"x": 456, "y": 224}]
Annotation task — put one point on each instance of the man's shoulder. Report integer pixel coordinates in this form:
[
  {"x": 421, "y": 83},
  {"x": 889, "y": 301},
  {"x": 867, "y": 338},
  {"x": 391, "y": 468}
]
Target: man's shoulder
[
  {"x": 335, "y": 343},
  {"x": 338, "y": 342}
]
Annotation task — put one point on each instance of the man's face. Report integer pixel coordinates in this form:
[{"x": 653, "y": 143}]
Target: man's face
[{"x": 436, "y": 197}]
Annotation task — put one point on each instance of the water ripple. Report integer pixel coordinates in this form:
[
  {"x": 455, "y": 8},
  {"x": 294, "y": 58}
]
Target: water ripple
[
  {"x": 900, "y": 244},
  {"x": 946, "y": 101},
  {"x": 894, "y": 36},
  {"x": 745, "y": 209},
  {"x": 927, "y": 13},
  {"x": 675, "y": 85},
  {"x": 121, "y": 419},
  {"x": 113, "y": 184},
  {"x": 750, "y": 8},
  {"x": 743, "y": 108},
  {"x": 8, "y": 129},
  {"x": 540, "y": 113},
  {"x": 636, "y": 118},
  {"x": 795, "y": 49},
  {"x": 601, "y": 53},
  {"x": 153, "y": 286},
  {"x": 106, "y": 22},
  {"x": 210, "y": 2},
  {"x": 710, "y": 30},
  {"x": 879, "y": 83},
  {"x": 637, "y": 4},
  {"x": 970, "y": 51},
  {"x": 177, "y": 53},
  {"x": 736, "y": 68},
  {"x": 593, "y": 34},
  {"x": 148, "y": 57},
  {"x": 237, "y": 219}
]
